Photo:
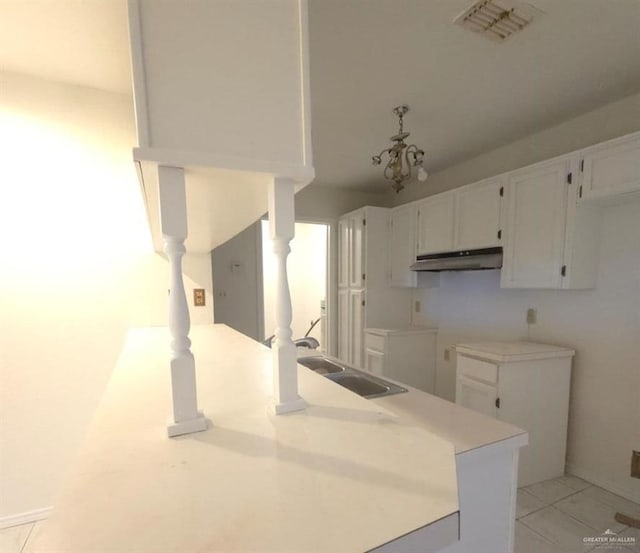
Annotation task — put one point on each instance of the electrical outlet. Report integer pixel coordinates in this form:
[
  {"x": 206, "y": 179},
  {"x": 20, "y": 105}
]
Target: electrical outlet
[
  {"x": 635, "y": 464},
  {"x": 532, "y": 316},
  {"x": 417, "y": 306},
  {"x": 447, "y": 354},
  {"x": 198, "y": 297}
]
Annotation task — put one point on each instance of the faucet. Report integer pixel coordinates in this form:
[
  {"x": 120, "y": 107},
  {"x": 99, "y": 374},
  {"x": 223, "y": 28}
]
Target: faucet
[{"x": 307, "y": 342}]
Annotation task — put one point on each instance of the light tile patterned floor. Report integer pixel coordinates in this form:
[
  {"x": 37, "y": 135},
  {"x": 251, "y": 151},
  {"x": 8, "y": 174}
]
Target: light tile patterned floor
[
  {"x": 555, "y": 516},
  {"x": 552, "y": 517}
]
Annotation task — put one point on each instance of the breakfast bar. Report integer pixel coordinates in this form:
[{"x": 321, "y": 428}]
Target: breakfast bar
[{"x": 345, "y": 474}]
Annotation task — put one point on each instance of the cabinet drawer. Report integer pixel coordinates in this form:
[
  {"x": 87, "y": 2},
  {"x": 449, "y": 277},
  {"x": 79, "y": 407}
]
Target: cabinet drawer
[
  {"x": 375, "y": 342},
  {"x": 480, "y": 370}
]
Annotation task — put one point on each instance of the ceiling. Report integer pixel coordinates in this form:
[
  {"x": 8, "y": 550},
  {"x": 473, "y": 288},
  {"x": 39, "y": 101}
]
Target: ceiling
[{"x": 467, "y": 94}]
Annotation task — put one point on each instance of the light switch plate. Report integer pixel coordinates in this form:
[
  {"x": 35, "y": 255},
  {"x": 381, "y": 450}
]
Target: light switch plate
[{"x": 198, "y": 297}]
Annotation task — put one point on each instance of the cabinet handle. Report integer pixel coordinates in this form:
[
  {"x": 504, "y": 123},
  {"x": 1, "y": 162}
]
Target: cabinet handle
[{"x": 498, "y": 402}]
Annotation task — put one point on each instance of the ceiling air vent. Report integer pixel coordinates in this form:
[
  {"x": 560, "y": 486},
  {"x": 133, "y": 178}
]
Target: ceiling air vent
[{"x": 496, "y": 21}]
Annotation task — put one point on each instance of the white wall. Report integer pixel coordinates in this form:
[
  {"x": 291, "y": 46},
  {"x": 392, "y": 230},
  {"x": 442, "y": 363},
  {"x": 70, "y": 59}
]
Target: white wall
[
  {"x": 76, "y": 271},
  {"x": 603, "y": 325},
  {"x": 307, "y": 272}
]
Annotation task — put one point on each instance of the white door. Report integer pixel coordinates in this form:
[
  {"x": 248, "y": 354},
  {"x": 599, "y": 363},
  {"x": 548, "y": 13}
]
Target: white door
[
  {"x": 478, "y": 215},
  {"x": 402, "y": 246},
  {"x": 435, "y": 224},
  {"x": 343, "y": 253},
  {"x": 344, "y": 324},
  {"x": 356, "y": 327},
  {"x": 356, "y": 250},
  {"x": 476, "y": 395},
  {"x": 535, "y": 229},
  {"x": 374, "y": 361}
]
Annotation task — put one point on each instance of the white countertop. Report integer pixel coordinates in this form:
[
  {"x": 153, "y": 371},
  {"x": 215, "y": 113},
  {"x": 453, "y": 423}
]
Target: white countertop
[
  {"x": 402, "y": 330},
  {"x": 503, "y": 352},
  {"x": 345, "y": 475},
  {"x": 464, "y": 428}
]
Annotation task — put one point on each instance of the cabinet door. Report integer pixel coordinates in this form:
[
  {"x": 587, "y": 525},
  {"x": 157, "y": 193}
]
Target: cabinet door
[
  {"x": 534, "y": 234},
  {"x": 374, "y": 361},
  {"x": 477, "y": 396},
  {"x": 356, "y": 327},
  {"x": 343, "y": 253},
  {"x": 344, "y": 324},
  {"x": 356, "y": 250},
  {"x": 402, "y": 246},
  {"x": 435, "y": 224},
  {"x": 477, "y": 215},
  {"x": 611, "y": 168}
]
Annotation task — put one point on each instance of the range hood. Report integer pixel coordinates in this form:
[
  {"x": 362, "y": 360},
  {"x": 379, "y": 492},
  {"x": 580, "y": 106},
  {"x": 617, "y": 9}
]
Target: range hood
[{"x": 464, "y": 260}]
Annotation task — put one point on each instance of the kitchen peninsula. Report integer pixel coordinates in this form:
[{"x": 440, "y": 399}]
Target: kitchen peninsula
[{"x": 346, "y": 474}]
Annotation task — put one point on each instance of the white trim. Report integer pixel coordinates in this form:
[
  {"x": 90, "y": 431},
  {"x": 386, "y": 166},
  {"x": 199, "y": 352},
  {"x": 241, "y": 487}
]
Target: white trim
[
  {"x": 608, "y": 485},
  {"x": 26, "y": 517},
  {"x": 300, "y": 174},
  {"x": 138, "y": 75}
]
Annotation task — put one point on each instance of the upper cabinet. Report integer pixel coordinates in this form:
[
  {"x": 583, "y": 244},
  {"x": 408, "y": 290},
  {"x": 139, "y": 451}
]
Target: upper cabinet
[
  {"x": 403, "y": 234},
  {"x": 462, "y": 219},
  {"x": 537, "y": 212},
  {"x": 477, "y": 215},
  {"x": 550, "y": 241},
  {"x": 435, "y": 223},
  {"x": 233, "y": 122},
  {"x": 611, "y": 168}
]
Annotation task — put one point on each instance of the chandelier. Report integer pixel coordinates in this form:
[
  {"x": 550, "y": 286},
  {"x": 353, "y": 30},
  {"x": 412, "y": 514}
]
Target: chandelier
[{"x": 402, "y": 158}]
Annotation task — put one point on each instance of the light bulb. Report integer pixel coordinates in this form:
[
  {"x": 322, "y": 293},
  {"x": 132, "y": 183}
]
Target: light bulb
[{"x": 422, "y": 174}]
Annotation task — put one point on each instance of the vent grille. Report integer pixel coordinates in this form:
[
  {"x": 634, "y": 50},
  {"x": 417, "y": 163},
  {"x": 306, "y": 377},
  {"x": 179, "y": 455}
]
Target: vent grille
[{"x": 494, "y": 20}]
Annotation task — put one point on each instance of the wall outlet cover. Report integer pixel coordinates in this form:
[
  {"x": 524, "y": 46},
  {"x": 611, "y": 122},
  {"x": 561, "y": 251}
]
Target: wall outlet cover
[{"x": 198, "y": 297}]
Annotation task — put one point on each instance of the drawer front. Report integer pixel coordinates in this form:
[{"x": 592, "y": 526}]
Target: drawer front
[
  {"x": 373, "y": 341},
  {"x": 480, "y": 370}
]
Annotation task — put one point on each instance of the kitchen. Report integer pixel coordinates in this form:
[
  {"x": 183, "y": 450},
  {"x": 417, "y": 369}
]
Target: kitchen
[{"x": 463, "y": 306}]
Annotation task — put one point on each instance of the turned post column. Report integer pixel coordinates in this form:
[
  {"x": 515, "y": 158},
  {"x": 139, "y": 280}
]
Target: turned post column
[
  {"x": 281, "y": 229},
  {"x": 173, "y": 221}
]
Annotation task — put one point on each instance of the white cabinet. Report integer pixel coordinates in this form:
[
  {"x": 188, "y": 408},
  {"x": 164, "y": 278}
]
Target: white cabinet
[
  {"x": 525, "y": 384},
  {"x": 463, "y": 219},
  {"x": 610, "y": 168},
  {"x": 407, "y": 355},
  {"x": 402, "y": 246},
  {"x": 365, "y": 297},
  {"x": 550, "y": 241},
  {"x": 537, "y": 215},
  {"x": 435, "y": 223},
  {"x": 477, "y": 215}
]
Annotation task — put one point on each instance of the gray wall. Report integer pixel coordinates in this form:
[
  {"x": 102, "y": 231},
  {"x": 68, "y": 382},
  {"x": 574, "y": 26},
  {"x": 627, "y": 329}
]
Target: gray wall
[{"x": 237, "y": 283}]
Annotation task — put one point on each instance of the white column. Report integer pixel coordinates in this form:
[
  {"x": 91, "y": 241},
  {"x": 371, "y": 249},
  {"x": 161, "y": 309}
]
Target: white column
[
  {"x": 281, "y": 227},
  {"x": 173, "y": 220}
]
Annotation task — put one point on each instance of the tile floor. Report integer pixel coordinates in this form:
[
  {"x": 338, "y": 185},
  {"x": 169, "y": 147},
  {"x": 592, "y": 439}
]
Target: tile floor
[{"x": 551, "y": 517}]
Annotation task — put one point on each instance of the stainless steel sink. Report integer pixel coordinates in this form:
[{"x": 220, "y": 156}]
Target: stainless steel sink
[
  {"x": 361, "y": 385},
  {"x": 321, "y": 365},
  {"x": 359, "y": 382}
]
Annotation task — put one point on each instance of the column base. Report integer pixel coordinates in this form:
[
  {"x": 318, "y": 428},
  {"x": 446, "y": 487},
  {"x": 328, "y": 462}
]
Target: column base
[
  {"x": 289, "y": 406},
  {"x": 197, "y": 424}
]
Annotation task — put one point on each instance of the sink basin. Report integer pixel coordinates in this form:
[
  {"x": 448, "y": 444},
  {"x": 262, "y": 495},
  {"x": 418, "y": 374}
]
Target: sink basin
[
  {"x": 321, "y": 365},
  {"x": 359, "y": 382},
  {"x": 361, "y": 385}
]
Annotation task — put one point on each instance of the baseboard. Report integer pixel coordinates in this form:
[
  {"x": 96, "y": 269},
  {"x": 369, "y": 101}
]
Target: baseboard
[
  {"x": 602, "y": 482},
  {"x": 25, "y": 518}
]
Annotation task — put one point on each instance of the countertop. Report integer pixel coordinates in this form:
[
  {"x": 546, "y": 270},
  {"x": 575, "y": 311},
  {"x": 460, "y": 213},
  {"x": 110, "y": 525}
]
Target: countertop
[
  {"x": 402, "y": 330},
  {"x": 346, "y": 474},
  {"x": 503, "y": 352},
  {"x": 462, "y": 427}
]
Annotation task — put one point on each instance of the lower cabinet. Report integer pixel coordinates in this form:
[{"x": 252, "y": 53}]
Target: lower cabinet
[
  {"x": 350, "y": 329},
  {"x": 527, "y": 385},
  {"x": 407, "y": 355}
]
